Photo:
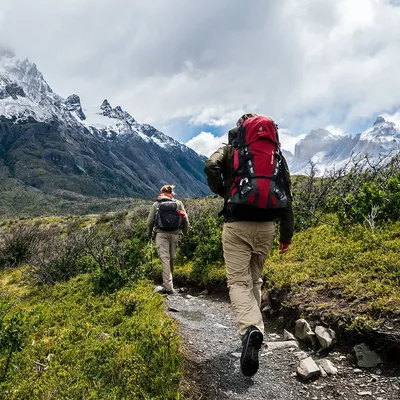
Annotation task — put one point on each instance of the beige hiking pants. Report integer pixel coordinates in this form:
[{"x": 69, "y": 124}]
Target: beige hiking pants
[
  {"x": 167, "y": 243},
  {"x": 246, "y": 244}
]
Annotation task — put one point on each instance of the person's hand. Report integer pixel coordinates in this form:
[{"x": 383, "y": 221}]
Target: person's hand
[{"x": 283, "y": 247}]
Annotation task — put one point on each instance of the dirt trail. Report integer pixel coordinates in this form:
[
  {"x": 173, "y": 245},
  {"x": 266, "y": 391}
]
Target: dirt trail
[{"x": 208, "y": 327}]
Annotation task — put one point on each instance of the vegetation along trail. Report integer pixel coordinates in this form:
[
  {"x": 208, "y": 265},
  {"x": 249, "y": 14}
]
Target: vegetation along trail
[{"x": 213, "y": 355}]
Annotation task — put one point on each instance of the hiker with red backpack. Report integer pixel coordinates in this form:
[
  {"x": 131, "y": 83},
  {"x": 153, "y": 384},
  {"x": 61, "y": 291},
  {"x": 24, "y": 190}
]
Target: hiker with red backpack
[
  {"x": 169, "y": 217},
  {"x": 252, "y": 176}
]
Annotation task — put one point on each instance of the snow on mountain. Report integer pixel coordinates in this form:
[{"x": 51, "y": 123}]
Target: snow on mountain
[
  {"x": 25, "y": 94},
  {"x": 328, "y": 150},
  {"x": 101, "y": 151}
]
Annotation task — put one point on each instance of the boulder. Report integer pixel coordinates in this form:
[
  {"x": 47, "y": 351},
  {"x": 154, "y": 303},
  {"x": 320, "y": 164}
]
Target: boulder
[
  {"x": 327, "y": 366},
  {"x": 308, "y": 369},
  {"x": 288, "y": 336},
  {"x": 304, "y": 332},
  {"x": 326, "y": 336},
  {"x": 366, "y": 358},
  {"x": 282, "y": 345}
]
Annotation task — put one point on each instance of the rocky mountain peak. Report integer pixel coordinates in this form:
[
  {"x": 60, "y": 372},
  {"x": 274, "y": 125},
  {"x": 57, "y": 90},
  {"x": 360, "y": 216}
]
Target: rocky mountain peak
[
  {"x": 73, "y": 104},
  {"x": 100, "y": 151},
  {"x": 379, "y": 120},
  {"x": 105, "y": 105}
]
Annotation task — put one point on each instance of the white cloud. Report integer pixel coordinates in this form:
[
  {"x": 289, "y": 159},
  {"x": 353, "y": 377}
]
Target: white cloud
[
  {"x": 311, "y": 63},
  {"x": 206, "y": 143},
  {"x": 288, "y": 140}
]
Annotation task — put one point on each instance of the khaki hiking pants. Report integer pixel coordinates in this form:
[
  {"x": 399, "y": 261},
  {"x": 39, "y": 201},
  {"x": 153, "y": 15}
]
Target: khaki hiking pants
[
  {"x": 167, "y": 243},
  {"x": 246, "y": 244}
]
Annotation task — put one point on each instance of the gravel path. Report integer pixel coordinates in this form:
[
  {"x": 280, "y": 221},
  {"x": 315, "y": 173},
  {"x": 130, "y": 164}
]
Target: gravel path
[{"x": 208, "y": 327}]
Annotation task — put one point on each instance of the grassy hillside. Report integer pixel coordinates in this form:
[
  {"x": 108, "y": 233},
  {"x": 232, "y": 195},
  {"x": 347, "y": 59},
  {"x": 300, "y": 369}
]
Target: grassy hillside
[
  {"x": 77, "y": 315},
  {"x": 18, "y": 200},
  {"x": 65, "y": 341}
]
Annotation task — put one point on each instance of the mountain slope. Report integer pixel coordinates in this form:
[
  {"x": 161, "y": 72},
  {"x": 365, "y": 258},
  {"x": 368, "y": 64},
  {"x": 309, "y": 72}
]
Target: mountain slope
[{"x": 51, "y": 143}]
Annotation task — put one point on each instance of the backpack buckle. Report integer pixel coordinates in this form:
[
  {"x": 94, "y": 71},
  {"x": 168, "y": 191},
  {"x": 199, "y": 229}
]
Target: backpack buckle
[{"x": 245, "y": 187}]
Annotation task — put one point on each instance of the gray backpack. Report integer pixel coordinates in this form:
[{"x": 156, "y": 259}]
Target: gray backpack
[{"x": 167, "y": 217}]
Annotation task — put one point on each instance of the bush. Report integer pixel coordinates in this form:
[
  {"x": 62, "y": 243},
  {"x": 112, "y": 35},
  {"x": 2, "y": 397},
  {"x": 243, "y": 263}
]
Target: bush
[
  {"x": 116, "y": 261},
  {"x": 60, "y": 258},
  {"x": 358, "y": 193},
  {"x": 208, "y": 253},
  {"x": 19, "y": 244}
]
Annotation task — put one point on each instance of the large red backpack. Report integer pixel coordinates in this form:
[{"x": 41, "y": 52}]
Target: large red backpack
[{"x": 258, "y": 177}]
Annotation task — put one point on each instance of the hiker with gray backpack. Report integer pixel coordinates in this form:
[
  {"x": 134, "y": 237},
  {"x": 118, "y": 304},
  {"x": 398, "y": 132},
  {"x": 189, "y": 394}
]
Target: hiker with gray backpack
[
  {"x": 251, "y": 175},
  {"x": 168, "y": 217}
]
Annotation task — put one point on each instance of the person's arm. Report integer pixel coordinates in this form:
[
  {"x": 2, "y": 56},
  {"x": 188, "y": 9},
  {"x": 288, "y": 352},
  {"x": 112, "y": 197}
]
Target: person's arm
[
  {"x": 213, "y": 170},
  {"x": 151, "y": 220},
  {"x": 286, "y": 218},
  {"x": 184, "y": 217}
]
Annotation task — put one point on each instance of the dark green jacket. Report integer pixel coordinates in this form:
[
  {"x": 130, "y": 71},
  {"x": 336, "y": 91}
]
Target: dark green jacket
[{"x": 219, "y": 171}]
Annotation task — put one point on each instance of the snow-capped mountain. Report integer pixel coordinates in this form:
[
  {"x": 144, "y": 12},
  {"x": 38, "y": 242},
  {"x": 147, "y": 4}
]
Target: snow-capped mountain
[
  {"x": 328, "y": 150},
  {"x": 52, "y": 143}
]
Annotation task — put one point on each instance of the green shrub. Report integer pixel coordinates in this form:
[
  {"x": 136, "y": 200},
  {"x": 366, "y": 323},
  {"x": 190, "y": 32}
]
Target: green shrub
[
  {"x": 208, "y": 253},
  {"x": 80, "y": 345},
  {"x": 118, "y": 263}
]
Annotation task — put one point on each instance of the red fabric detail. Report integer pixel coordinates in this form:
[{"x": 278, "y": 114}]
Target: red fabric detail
[
  {"x": 182, "y": 213},
  {"x": 236, "y": 160},
  {"x": 259, "y": 127},
  {"x": 170, "y": 196}
]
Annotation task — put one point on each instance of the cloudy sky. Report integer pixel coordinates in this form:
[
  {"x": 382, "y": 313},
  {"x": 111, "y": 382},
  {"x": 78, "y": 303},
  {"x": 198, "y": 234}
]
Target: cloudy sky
[{"x": 192, "y": 67}]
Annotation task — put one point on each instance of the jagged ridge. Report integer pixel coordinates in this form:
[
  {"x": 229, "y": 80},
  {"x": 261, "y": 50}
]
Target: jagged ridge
[{"x": 102, "y": 151}]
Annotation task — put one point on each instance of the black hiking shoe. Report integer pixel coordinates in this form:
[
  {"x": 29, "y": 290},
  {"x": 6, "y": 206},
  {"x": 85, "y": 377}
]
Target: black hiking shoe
[
  {"x": 251, "y": 342},
  {"x": 167, "y": 292}
]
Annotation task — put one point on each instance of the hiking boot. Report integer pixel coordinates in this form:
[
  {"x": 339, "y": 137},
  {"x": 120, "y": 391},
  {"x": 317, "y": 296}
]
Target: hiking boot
[
  {"x": 251, "y": 342},
  {"x": 167, "y": 292}
]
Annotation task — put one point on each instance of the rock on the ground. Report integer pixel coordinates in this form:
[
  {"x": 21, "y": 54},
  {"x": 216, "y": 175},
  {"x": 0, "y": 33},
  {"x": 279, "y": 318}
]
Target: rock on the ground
[
  {"x": 308, "y": 368},
  {"x": 301, "y": 355},
  {"x": 288, "y": 336},
  {"x": 366, "y": 358},
  {"x": 326, "y": 336},
  {"x": 303, "y": 331},
  {"x": 282, "y": 345},
  {"x": 103, "y": 336},
  {"x": 328, "y": 366},
  {"x": 220, "y": 326},
  {"x": 323, "y": 372}
]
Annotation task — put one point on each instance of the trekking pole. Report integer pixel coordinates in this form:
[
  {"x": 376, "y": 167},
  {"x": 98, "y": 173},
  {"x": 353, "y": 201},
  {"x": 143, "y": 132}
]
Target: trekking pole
[{"x": 151, "y": 251}]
